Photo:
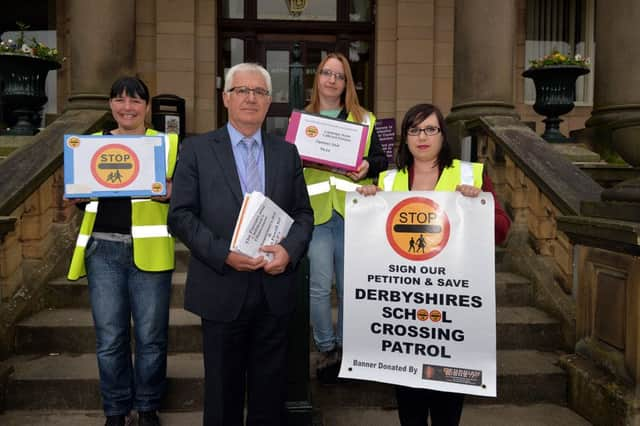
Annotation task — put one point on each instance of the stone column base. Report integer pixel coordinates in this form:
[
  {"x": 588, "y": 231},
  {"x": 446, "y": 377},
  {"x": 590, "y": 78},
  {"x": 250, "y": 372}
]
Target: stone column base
[
  {"x": 470, "y": 110},
  {"x": 467, "y": 111},
  {"x": 88, "y": 101},
  {"x": 622, "y": 123},
  {"x": 599, "y": 396}
]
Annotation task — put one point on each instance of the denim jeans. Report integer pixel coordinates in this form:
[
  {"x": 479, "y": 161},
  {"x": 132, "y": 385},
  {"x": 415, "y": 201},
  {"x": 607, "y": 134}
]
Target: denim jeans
[
  {"x": 119, "y": 292},
  {"x": 326, "y": 257}
]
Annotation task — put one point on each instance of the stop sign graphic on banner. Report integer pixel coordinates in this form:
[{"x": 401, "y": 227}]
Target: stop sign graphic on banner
[
  {"x": 115, "y": 166},
  {"x": 417, "y": 229}
]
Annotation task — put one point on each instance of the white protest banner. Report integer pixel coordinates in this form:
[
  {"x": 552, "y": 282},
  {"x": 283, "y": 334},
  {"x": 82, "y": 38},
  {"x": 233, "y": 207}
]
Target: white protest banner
[
  {"x": 327, "y": 141},
  {"x": 419, "y": 295},
  {"x": 114, "y": 166}
]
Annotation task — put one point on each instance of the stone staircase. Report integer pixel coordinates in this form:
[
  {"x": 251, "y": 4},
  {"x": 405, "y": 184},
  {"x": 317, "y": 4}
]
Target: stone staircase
[{"x": 56, "y": 380}]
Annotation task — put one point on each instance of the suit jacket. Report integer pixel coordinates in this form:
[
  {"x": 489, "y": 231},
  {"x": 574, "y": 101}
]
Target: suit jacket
[{"x": 205, "y": 203}]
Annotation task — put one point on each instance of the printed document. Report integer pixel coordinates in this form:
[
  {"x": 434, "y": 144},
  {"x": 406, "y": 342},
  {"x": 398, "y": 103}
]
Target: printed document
[{"x": 261, "y": 222}]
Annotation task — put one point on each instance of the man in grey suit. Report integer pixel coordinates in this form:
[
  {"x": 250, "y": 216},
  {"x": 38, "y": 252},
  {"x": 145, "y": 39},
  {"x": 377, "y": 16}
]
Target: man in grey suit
[{"x": 245, "y": 303}]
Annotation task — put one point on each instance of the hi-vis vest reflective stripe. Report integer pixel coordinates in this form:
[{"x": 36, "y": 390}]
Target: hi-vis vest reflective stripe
[
  {"x": 153, "y": 246},
  {"x": 460, "y": 173},
  {"x": 326, "y": 189}
]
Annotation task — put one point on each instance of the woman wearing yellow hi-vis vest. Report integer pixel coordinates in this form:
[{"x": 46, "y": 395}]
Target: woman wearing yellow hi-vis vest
[
  {"x": 424, "y": 163},
  {"x": 127, "y": 253},
  {"x": 334, "y": 95}
]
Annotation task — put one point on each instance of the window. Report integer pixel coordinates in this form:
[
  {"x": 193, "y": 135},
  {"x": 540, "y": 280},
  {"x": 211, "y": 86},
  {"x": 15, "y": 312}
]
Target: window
[
  {"x": 324, "y": 10},
  {"x": 233, "y": 9},
  {"x": 566, "y": 26},
  {"x": 360, "y": 11}
]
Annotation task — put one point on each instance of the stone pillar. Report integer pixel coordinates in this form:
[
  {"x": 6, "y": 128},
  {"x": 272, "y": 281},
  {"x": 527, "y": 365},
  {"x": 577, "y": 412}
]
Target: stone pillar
[
  {"x": 102, "y": 35},
  {"x": 484, "y": 47},
  {"x": 616, "y": 105}
]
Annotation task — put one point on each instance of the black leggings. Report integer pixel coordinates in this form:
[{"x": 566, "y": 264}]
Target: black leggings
[{"x": 415, "y": 406}]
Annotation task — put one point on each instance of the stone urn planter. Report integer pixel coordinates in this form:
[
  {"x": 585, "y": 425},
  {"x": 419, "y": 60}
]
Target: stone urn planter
[
  {"x": 22, "y": 83},
  {"x": 555, "y": 93}
]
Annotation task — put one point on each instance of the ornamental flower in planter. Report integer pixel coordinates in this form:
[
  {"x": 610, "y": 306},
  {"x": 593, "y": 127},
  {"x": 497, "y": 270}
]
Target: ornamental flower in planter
[
  {"x": 557, "y": 58},
  {"x": 32, "y": 48},
  {"x": 24, "y": 66},
  {"x": 554, "y": 77}
]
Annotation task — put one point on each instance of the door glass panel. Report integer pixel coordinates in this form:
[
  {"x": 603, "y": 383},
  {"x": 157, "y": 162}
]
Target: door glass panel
[
  {"x": 277, "y": 125},
  {"x": 300, "y": 10},
  {"x": 360, "y": 61},
  {"x": 233, "y": 53},
  {"x": 278, "y": 67},
  {"x": 233, "y": 9},
  {"x": 315, "y": 55},
  {"x": 360, "y": 11}
]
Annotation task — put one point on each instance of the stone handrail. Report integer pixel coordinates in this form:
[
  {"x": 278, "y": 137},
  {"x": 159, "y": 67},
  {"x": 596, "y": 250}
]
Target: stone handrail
[
  {"x": 538, "y": 186},
  {"x": 555, "y": 176},
  {"x": 36, "y": 228},
  {"x": 27, "y": 168}
]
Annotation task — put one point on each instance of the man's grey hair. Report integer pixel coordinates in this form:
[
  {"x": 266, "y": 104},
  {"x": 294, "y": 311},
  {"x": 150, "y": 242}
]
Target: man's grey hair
[{"x": 246, "y": 67}]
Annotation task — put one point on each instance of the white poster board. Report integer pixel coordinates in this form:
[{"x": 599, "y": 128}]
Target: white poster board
[
  {"x": 327, "y": 141},
  {"x": 419, "y": 295},
  {"x": 114, "y": 166}
]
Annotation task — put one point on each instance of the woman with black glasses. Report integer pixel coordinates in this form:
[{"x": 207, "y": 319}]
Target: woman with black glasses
[
  {"x": 334, "y": 95},
  {"x": 424, "y": 163}
]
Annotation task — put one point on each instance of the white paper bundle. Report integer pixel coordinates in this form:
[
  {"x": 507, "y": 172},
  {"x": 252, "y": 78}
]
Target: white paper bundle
[{"x": 261, "y": 222}]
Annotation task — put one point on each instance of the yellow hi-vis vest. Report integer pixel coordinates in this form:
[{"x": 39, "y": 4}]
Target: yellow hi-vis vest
[
  {"x": 459, "y": 173},
  {"x": 327, "y": 189},
  {"x": 153, "y": 246}
]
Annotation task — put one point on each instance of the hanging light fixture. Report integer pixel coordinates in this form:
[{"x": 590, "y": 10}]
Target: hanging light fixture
[{"x": 296, "y": 7}]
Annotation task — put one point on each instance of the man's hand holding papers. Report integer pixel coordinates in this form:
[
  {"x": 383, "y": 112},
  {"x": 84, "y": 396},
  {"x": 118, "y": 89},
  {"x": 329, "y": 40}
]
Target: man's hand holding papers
[
  {"x": 280, "y": 259},
  {"x": 261, "y": 225}
]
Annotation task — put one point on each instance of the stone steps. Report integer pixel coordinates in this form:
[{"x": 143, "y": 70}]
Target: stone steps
[
  {"x": 86, "y": 418},
  {"x": 524, "y": 377},
  {"x": 71, "y": 330},
  {"x": 70, "y": 381},
  {"x": 62, "y": 293},
  {"x": 472, "y": 415},
  {"x": 511, "y": 290},
  {"x": 66, "y": 377}
]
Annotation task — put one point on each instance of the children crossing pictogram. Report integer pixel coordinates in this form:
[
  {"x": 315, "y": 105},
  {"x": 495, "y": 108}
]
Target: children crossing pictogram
[
  {"x": 115, "y": 166},
  {"x": 417, "y": 228}
]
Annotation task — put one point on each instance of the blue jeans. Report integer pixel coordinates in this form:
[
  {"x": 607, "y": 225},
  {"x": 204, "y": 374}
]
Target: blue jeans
[
  {"x": 119, "y": 292},
  {"x": 326, "y": 257}
]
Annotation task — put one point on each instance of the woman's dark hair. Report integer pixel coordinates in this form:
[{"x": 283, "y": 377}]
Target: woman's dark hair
[
  {"x": 130, "y": 86},
  {"x": 416, "y": 115}
]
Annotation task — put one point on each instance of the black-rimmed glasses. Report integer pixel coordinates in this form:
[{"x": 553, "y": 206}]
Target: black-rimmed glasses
[
  {"x": 429, "y": 131},
  {"x": 244, "y": 91},
  {"x": 328, "y": 73}
]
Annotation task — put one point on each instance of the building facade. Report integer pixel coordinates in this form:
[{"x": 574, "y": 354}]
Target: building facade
[
  {"x": 467, "y": 56},
  {"x": 402, "y": 51}
]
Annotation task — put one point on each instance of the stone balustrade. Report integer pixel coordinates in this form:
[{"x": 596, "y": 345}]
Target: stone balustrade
[
  {"x": 538, "y": 186},
  {"x": 37, "y": 229}
]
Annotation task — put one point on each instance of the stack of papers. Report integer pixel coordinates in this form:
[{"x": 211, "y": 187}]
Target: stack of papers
[{"x": 261, "y": 222}]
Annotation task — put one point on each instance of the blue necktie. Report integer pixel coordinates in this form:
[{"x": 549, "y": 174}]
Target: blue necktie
[{"x": 252, "y": 172}]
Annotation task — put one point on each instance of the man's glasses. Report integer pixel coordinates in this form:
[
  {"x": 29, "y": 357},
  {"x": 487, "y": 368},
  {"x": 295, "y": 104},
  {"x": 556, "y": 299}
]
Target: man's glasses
[
  {"x": 244, "y": 91},
  {"x": 429, "y": 131},
  {"x": 328, "y": 73}
]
